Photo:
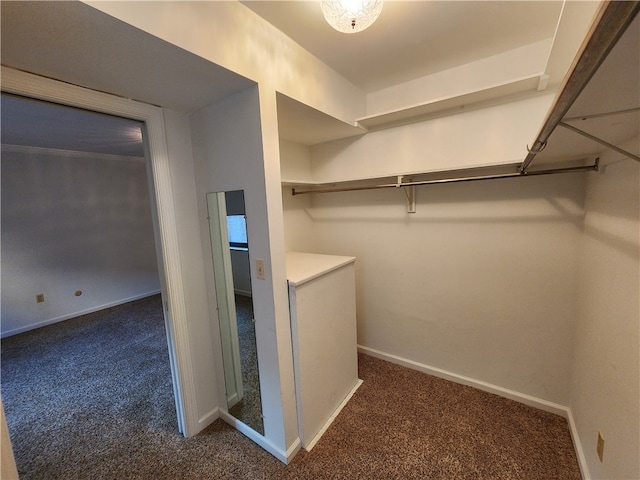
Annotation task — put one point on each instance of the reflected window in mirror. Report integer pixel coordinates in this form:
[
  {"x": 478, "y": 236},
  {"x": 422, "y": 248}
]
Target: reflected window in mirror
[{"x": 237, "y": 227}]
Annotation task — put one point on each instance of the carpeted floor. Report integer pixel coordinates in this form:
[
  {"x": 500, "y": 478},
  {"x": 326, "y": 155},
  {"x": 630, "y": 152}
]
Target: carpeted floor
[
  {"x": 91, "y": 398},
  {"x": 249, "y": 409}
]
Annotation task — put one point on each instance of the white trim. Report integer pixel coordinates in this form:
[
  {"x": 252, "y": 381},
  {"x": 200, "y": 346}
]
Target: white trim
[
  {"x": 233, "y": 399},
  {"x": 62, "y": 318},
  {"x": 284, "y": 457},
  {"x": 26, "y": 84},
  {"x": 293, "y": 450},
  {"x": 540, "y": 403},
  {"x": 328, "y": 423},
  {"x": 577, "y": 445},
  {"x": 209, "y": 417}
]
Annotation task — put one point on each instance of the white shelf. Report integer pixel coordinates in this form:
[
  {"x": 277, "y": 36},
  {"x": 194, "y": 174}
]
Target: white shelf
[
  {"x": 300, "y": 123},
  {"x": 298, "y": 183},
  {"x": 304, "y": 267},
  {"x": 452, "y": 104}
]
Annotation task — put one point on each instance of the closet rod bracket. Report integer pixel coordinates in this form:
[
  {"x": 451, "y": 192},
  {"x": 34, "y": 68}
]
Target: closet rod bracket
[{"x": 410, "y": 193}]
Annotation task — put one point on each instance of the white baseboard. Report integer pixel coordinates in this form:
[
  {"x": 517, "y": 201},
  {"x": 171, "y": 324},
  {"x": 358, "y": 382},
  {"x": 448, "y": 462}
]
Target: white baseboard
[
  {"x": 293, "y": 449},
  {"x": 284, "y": 457},
  {"x": 577, "y": 445},
  {"x": 328, "y": 423},
  {"x": 68, "y": 316},
  {"x": 535, "y": 402},
  {"x": 233, "y": 399},
  {"x": 208, "y": 418},
  {"x": 472, "y": 382}
]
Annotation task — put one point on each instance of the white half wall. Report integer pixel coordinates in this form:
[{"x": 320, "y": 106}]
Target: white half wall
[
  {"x": 605, "y": 387},
  {"x": 73, "y": 222}
]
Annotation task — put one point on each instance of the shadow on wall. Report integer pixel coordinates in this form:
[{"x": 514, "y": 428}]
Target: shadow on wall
[
  {"x": 73, "y": 222},
  {"x": 608, "y": 226}
]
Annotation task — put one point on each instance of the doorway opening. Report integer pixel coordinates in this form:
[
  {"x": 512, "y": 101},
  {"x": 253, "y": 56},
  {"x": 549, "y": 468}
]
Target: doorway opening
[{"x": 78, "y": 236}]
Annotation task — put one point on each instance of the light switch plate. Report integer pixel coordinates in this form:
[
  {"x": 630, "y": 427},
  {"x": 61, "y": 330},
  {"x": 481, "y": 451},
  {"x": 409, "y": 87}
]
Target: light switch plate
[{"x": 260, "y": 269}]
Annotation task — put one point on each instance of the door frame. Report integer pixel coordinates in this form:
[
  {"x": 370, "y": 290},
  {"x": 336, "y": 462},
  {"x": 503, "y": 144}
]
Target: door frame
[{"x": 164, "y": 216}]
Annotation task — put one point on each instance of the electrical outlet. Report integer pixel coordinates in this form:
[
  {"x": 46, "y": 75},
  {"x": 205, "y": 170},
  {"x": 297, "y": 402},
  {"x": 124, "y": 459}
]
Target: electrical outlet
[
  {"x": 260, "y": 269},
  {"x": 600, "y": 445},
  {"x": 40, "y": 298}
]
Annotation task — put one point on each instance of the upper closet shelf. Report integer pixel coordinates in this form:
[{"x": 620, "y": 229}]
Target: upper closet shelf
[
  {"x": 300, "y": 123},
  {"x": 305, "y": 125},
  {"x": 454, "y": 104}
]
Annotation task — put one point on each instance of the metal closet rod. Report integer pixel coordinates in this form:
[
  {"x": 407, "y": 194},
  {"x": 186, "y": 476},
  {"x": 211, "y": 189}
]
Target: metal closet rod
[
  {"x": 614, "y": 19},
  {"x": 518, "y": 174}
]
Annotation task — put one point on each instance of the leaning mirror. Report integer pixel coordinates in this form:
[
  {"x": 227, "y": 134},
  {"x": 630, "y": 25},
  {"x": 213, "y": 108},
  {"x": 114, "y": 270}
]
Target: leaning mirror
[{"x": 232, "y": 276}]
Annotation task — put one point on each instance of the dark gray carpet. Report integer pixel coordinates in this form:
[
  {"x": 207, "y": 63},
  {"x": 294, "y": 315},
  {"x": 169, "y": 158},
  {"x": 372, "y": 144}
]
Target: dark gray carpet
[
  {"x": 249, "y": 409},
  {"x": 91, "y": 398},
  {"x": 78, "y": 394}
]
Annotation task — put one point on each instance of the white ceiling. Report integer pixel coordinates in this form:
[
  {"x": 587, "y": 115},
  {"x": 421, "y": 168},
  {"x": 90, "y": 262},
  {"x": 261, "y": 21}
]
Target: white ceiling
[
  {"x": 411, "y": 39},
  {"x": 75, "y": 43},
  {"x": 78, "y": 44},
  {"x": 615, "y": 87},
  {"x": 33, "y": 123}
]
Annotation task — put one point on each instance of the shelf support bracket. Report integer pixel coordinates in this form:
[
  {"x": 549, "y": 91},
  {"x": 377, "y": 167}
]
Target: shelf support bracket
[
  {"x": 410, "y": 193},
  {"x": 600, "y": 141}
]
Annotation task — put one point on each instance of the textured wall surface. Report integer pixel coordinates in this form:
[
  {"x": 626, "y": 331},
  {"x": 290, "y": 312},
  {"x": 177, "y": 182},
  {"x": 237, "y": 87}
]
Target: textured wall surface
[{"x": 73, "y": 222}]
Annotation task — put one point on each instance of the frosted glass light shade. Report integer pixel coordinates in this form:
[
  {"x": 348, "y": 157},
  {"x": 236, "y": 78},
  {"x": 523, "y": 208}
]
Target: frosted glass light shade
[{"x": 351, "y": 16}]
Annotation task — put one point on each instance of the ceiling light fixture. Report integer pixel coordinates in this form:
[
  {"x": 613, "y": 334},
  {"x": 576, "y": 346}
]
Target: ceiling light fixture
[{"x": 351, "y": 16}]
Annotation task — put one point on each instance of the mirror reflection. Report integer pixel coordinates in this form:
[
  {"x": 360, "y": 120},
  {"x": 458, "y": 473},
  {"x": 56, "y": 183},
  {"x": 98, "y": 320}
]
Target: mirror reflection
[{"x": 230, "y": 249}]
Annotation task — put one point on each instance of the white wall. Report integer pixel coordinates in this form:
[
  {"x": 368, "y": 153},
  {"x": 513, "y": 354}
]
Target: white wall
[
  {"x": 606, "y": 366},
  {"x": 295, "y": 164},
  {"x": 512, "y": 65},
  {"x": 462, "y": 241},
  {"x": 201, "y": 323},
  {"x": 234, "y": 37},
  {"x": 480, "y": 281},
  {"x": 551, "y": 57},
  {"x": 73, "y": 222},
  {"x": 299, "y": 225},
  {"x": 488, "y": 136},
  {"x": 228, "y": 155}
]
